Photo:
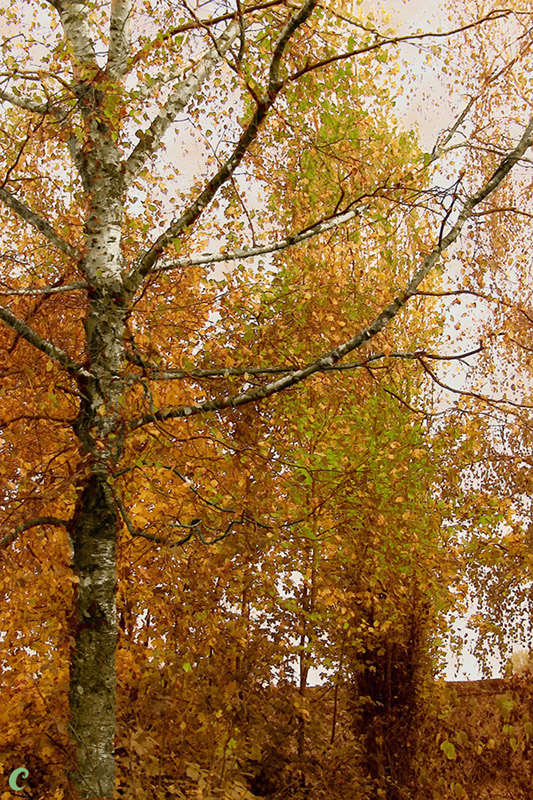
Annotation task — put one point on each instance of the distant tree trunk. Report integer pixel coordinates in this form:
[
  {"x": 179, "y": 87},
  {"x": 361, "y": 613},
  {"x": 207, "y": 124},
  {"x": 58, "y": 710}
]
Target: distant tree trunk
[
  {"x": 308, "y": 607},
  {"x": 385, "y": 708}
]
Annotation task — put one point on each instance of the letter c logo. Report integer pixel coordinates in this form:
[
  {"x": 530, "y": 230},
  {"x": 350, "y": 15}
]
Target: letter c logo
[{"x": 13, "y": 778}]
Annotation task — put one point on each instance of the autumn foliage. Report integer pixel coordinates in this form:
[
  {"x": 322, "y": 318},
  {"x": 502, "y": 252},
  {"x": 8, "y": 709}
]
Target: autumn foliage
[{"x": 265, "y": 401}]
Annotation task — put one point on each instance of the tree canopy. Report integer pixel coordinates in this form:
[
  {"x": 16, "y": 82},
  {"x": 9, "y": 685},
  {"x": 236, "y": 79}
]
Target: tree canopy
[{"x": 264, "y": 393}]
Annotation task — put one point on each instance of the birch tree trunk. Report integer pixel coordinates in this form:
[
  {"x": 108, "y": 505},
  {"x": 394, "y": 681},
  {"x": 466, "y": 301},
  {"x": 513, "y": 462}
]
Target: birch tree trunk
[
  {"x": 95, "y": 524},
  {"x": 92, "y": 695}
]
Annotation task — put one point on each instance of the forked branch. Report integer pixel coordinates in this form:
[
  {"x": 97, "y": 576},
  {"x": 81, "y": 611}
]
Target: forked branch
[
  {"x": 379, "y": 322},
  {"x": 179, "y": 98},
  {"x": 194, "y": 529},
  {"x": 152, "y": 255}
]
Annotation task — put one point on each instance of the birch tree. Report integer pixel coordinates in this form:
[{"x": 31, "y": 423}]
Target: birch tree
[{"x": 115, "y": 291}]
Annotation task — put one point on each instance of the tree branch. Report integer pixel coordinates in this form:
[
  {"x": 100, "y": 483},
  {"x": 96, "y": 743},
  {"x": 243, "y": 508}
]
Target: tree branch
[
  {"x": 32, "y": 524},
  {"x": 177, "y": 101},
  {"x": 293, "y": 24},
  {"x": 157, "y": 374},
  {"x": 119, "y": 38},
  {"x": 382, "y": 42},
  {"x": 151, "y": 256},
  {"x": 498, "y": 300},
  {"x": 59, "y": 115},
  {"x": 135, "y": 532},
  {"x": 440, "y": 148},
  {"x": 251, "y": 252},
  {"x": 25, "y": 102},
  {"x": 492, "y": 401},
  {"x": 32, "y": 291},
  {"x": 203, "y": 499},
  {"x": 367, "y": 333},
  {"x": 51, "y": 350},
  {"x": 39, "y": 223},
  {"x": 203, "y": 23}
]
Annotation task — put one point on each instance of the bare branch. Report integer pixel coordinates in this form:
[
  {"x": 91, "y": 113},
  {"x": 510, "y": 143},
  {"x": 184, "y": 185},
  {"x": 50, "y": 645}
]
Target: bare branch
[
  {"x": 119, "y": 38},
  {"x": 34, "y": 523},
  {"x": 194, "y": 528},
  {"x": 379, "y": 322},
  {"x": 151, "y": 256},
  {"x": 492, "y": 401},
  {"x": 251, "y": 252},
  {"x": 383, "y": 41},
  {"x": 25, "y": 102},
  {"x": 39, "y": 223},
  {"x": 177, "y": 101},
  {"x": 199, "y": 533},
  {"x": 204, "y": 23},
  {"x": 51, "y": 350},
  {"x": 143, "y": 534}
]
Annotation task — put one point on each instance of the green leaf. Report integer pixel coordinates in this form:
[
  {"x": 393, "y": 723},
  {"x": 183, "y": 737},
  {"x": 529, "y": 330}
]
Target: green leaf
[{"x": 448, "y": 749}]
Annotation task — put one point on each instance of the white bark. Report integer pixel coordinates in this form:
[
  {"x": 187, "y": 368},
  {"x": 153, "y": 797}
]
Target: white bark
[
  {"x": 73, "y": 15},
  {"x": 119, "y": 38},
  {"x": 103, "y": 260},
  {"x": 24, "y": 102},
  {"x": 105, "y": 187},
  {"x": 179, "y": 97}
]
